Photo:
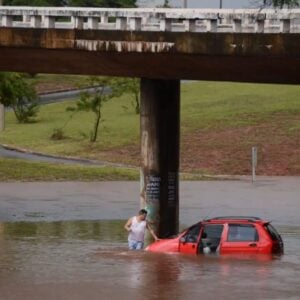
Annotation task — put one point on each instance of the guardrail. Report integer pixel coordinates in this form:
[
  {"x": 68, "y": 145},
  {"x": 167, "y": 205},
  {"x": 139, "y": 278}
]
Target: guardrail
[{"x": 154, "y": 19}]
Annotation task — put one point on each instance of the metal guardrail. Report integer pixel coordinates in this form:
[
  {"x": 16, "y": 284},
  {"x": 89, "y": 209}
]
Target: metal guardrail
[{"x": 154, "y": 19}]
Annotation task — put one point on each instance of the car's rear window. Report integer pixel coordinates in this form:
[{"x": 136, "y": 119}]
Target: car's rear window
[
  {"x": 273, "y": 232},
  {"x": 242, "y": 233}
]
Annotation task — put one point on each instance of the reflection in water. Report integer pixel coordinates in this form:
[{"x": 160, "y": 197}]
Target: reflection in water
[{"x": 89, "y": 260}]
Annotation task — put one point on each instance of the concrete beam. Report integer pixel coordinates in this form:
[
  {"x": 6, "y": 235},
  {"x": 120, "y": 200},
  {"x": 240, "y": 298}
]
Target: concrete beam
[{"x": 246, "y": 57}]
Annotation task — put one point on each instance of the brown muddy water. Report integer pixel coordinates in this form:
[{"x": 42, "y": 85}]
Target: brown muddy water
[{"x": 89, "y": 260}]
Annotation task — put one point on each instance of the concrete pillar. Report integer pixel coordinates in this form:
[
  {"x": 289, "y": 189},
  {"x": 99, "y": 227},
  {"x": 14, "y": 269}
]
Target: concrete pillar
[
  {"x": 285, "y": 25},
  {"x": 2, "y": 117},
  {"x": 160, "y": 112}
]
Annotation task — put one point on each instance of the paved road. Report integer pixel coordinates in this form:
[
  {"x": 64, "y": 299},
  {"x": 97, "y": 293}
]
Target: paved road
[
  {"x": 273, "y": 198},
  {"x": 9, "y": 153},
  {"x": 66, "y": 95}
]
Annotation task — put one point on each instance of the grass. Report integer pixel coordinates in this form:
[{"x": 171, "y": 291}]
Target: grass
[
  {"x": 220, "y": 121},
  {"x": 20, "y": 170},
  {"x": 120, "y": 126},
  {"x": 27, "y": 171},
  {"x": 209, "y": 105}
]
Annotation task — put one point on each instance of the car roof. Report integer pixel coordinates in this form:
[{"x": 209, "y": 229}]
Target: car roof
[{"x": 233, "y": 219}]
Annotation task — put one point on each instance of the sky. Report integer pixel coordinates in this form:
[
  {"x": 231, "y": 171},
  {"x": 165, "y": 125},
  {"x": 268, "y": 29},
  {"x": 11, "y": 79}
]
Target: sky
[{"x": 202, "y": 3}]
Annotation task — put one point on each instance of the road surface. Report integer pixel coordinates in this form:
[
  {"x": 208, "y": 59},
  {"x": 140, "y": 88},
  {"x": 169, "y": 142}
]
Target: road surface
[{"x": 275, "y": 198}]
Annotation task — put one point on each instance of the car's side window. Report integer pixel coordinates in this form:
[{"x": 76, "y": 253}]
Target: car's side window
[
  {"x": 242, "y": 233},
  {"x": 192, "y": 234}
]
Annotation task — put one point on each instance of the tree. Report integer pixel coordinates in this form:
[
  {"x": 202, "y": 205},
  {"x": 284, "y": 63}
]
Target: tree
[
  {"x": 16, "y": 93},
  {"x": 94, "y": 101},
  {"x": 281, "y": 3},
  {"x": 34, "y": 2},
  {"x": 83, "y": 3},
  {"x": 166, "y": 4},
  {"x": 132, "y": 87}
]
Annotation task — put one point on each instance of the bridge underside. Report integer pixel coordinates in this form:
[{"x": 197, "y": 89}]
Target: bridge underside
[
  {"x": 164, "y": 66},
  {"x": 161, "y": 59},
  {"x": 244, "y": 57}
]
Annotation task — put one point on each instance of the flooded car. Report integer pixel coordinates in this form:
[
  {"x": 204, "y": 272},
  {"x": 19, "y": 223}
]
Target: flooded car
[{"x": 224, "y": 235}]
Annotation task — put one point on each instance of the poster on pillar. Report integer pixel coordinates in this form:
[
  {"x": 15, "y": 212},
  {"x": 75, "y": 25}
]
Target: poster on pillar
[
  {"x": 172, "y": 189},
  {"x": 153, "y": 188}
]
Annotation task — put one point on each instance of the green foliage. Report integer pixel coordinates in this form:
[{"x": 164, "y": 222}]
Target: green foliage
[
  {"x": 16, "y": 93},
  {"x": 106, "y": 88},
  {"x": 131, "y": 86},
  {"x": 34, "y": 2},
  {"x": 282, "y": 3},
  {"x": 84, "y": 3},
  {"x": 58, "y": 134},
  {"x": 166, "y": 4}
]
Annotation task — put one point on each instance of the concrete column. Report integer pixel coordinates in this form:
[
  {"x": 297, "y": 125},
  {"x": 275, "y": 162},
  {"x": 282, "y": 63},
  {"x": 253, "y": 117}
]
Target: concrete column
[
  {"x": 49, "y": 22},
  {"x": 237, "y": 25},
  {"x": 259, "y": 26},
  {"x": 285, "y": 25},
  {"x": 135, "y": 24},
  {"x": 2, "y": 117},
  {"x": 190, "y": 25},
  {"x": 160, "y": 111},
  {"x": 212, "y": 25},
  {"x": 121, "y": 23},
  {"x": 165, "y": 25},
  {"x": 92, "y": 23}
]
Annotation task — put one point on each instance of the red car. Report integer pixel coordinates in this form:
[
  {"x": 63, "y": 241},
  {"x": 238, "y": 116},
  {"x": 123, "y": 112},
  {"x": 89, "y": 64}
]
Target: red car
[{"x": 224, "y": 235}]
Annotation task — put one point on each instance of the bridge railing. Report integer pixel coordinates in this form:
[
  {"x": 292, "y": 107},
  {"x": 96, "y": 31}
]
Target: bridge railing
[{"x": 154, "y": 19}]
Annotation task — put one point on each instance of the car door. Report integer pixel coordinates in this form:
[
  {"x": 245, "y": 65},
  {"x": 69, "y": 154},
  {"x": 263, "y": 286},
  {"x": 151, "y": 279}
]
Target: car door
[
  {"x": 188, "y": 242},
  {"x": 210, "y": 238},
  {"x": 240, "y": 238}
]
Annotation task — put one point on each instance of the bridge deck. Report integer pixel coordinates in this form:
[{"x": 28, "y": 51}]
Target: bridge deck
[{"x": 234, "y": 45}]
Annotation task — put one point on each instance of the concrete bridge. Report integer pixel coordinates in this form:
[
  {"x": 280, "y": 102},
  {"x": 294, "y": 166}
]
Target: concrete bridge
[{"x": 161, "y": 46}]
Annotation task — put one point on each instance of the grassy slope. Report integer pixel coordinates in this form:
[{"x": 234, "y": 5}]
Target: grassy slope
[
  {"x": 15, "y": 169},
  {"x": 220, "y": 123}
]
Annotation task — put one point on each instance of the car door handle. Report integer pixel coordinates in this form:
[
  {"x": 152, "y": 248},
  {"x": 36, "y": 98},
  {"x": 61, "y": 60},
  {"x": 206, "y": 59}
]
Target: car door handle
[{"x": 253, "y": 245}]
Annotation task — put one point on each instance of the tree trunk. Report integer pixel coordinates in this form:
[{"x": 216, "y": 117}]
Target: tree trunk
[
  {"x": 2, "y": 113},
  {"x": 96, "y": 127}
]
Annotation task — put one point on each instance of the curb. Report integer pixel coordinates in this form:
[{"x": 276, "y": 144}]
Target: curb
[
  {"x": 67, "y": 158},
  {"x": 118, "y": 165}
]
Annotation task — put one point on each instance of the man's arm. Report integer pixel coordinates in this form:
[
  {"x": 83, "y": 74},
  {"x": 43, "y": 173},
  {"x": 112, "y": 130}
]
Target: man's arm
[
  {"x": 152, "y": 232},
  {"x": 128, "y": 225}
]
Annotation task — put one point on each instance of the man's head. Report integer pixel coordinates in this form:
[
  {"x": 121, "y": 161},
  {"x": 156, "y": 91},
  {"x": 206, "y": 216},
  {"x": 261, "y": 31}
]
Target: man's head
[{"x": 143, "y": 214}]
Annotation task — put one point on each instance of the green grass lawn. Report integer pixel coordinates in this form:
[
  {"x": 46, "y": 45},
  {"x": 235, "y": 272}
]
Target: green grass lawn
[
  {"x": 253, "y": 114},
  {"x": 20, "y": 170},
  {"x": 120, "y": 126},
  {"x": 209, "y": 105}
]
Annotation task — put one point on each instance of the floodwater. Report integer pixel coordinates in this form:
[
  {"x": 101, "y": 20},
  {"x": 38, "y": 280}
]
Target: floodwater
[{"x": 89, "y": 260}]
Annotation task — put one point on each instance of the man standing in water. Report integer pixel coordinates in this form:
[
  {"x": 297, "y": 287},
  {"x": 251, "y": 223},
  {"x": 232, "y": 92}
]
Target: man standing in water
[{"x": 136, "y": 227}]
